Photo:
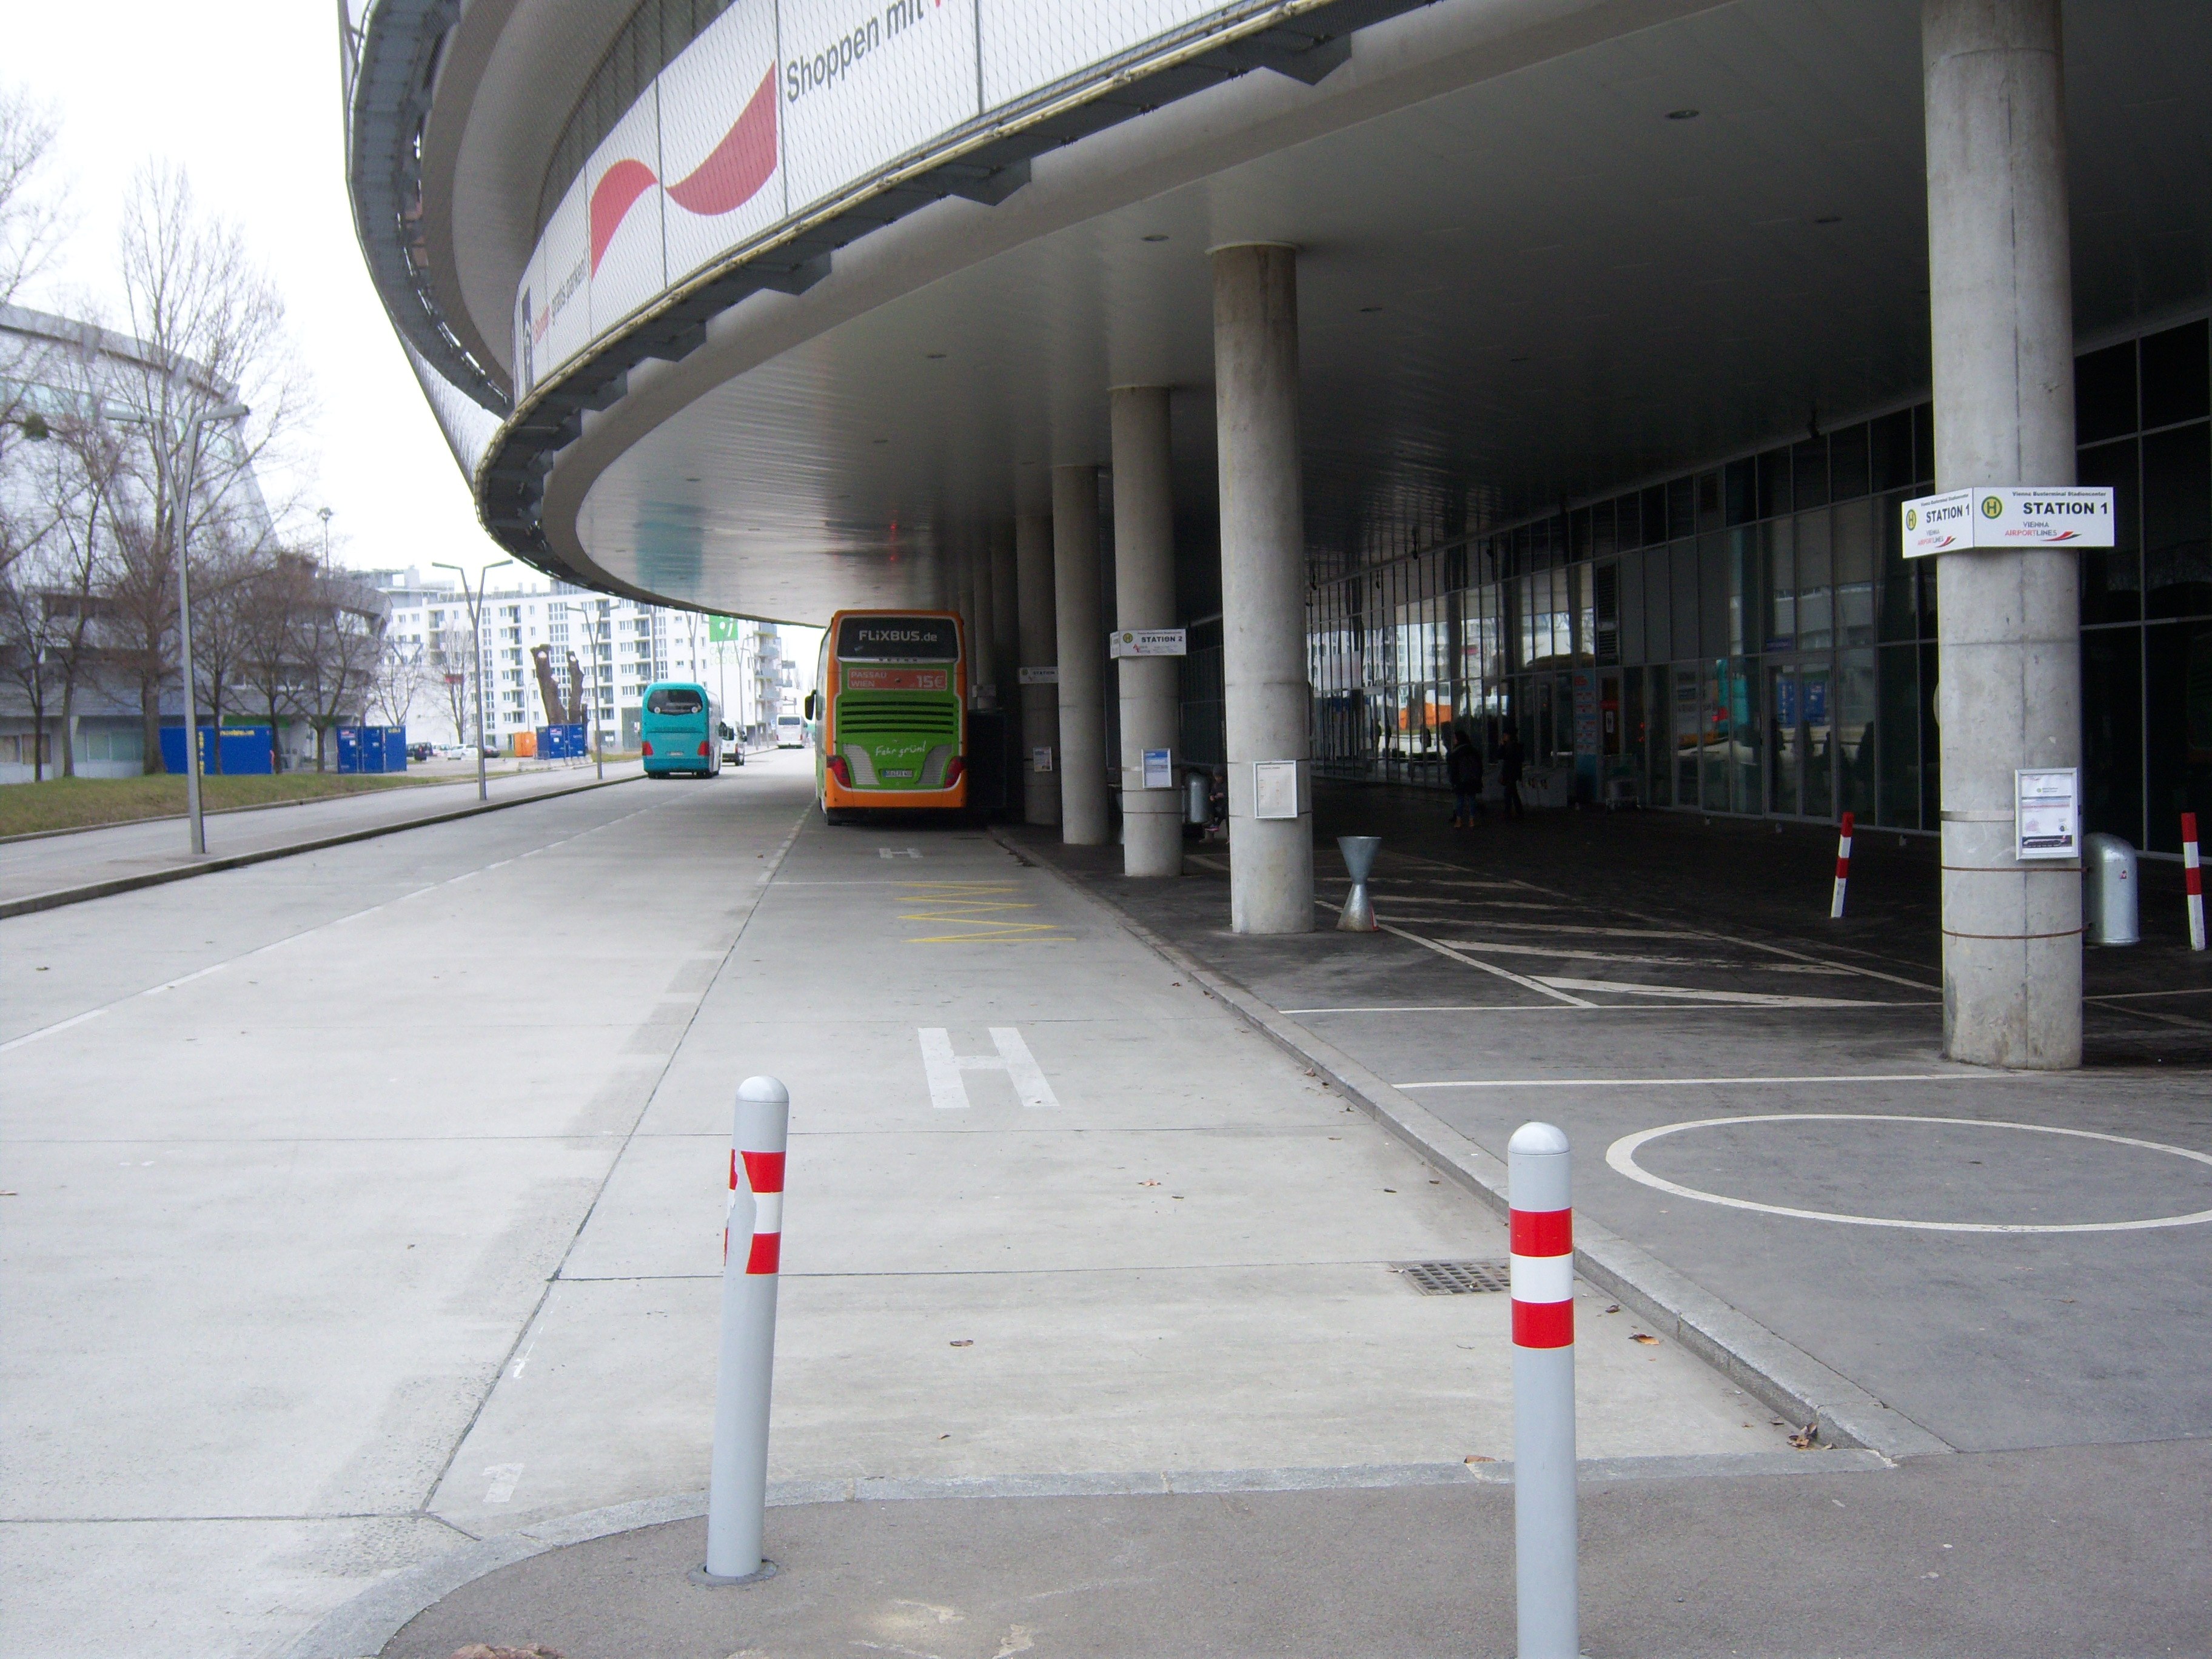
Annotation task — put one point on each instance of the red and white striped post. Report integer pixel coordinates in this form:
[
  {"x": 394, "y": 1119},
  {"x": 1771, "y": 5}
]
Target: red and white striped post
[
  {"x": 2192, "y": 880},
  {"x": 752, "y": 1246},
  {"x": 1546, "y": 1584},
  {"x": 1843, "y": 868}
]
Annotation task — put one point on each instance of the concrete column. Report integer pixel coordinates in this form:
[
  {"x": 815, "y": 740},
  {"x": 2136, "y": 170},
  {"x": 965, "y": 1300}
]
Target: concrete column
[
  {"x": 1082, "y": 633},
  {"x": 2007, "y": 632},
  {"x": 1145, "y": 596},
  {"x": 1039, "y": 648},
  {"x": 963, "y": 601},
  {"x": 983, "y": 674},
  {"x": 1006, "y": 629},
  {"x": 1263, "y": 579}
]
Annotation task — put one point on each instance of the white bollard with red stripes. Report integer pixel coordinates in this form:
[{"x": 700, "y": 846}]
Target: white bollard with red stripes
[
  {"x": 752, "y": 1245},
  {"x": 1843, "y": 868},
  {"x": 2192, "y": 879},
  {"x": 1545, "y": 1584}
]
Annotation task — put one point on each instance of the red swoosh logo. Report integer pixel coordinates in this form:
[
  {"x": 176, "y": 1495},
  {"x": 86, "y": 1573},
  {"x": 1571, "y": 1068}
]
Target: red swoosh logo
[
  {"x": 729, "y": 178},
  {"x": 741, "y": 163},
  {"x": 612, "y": 197}
]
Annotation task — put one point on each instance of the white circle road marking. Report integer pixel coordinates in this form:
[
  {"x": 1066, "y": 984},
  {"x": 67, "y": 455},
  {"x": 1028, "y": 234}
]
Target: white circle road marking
[{"x": 1621, "y": 1156}]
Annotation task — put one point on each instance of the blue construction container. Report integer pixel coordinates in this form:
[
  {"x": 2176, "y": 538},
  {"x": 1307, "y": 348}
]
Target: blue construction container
[
  {"x": 395, "y": 748},
  {"x": 349, "y": 748},
  {"x": 244, "y": 749}
]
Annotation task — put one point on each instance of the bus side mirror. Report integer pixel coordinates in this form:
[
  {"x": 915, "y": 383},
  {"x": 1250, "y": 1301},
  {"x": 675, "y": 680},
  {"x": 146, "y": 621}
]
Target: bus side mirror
[{"x": 810, "y": 705}]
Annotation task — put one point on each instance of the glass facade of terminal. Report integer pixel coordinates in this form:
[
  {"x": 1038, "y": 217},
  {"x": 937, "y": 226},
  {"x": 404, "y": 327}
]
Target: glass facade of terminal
[{"x": 1748, "y": 639}]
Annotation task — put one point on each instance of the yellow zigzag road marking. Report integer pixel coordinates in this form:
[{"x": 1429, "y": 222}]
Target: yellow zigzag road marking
[{"x": 998, "y": 933}]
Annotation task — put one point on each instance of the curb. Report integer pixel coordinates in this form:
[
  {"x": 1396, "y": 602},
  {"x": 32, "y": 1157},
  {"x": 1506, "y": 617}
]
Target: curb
[
  {"x": 66, "y": 896},
  {"x": 368, "y": 1621},
  {"x": 1773, "y": 1369}
]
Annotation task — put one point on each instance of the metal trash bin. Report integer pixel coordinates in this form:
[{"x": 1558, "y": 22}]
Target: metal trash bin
[
  {"x": 2109, "y": 887},
  {"x": 1197, "y": 799}
]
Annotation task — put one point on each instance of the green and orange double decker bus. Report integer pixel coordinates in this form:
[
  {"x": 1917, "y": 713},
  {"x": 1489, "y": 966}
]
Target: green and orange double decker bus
[{"x": 888, "y": 716}]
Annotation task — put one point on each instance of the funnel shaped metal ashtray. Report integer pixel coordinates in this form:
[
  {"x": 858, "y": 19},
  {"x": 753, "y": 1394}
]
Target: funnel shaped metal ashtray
[{"x": 1358, "y": 916}]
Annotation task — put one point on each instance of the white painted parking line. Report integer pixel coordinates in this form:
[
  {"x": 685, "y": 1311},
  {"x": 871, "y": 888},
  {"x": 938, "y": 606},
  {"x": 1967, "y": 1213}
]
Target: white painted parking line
[
  {"x": 504, "y": 1478},
  {"x": 48, "y": 1030},
  {"x": 1560, "y": 953},
  {"x": 1733, "y": 999},
  {"x": 1621, "y": 1156},
  {"x": 1541, "y": 990}
]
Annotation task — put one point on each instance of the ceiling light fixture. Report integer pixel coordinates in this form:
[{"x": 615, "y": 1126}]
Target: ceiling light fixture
[
  {"x": 1832, "y": 219},
  {"x": 1681, "y": 115},
  {"x": 1369, "y": 311},
  {"x": 691, "y": 481},
  {"x": 934, "y": 356},
  {"x": 1157, "y": 236}
]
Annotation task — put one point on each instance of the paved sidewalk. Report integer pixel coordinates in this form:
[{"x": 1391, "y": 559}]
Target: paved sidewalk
[
  {"x": 1625, "y": 981},
  {"x": 1947, "y": 1558},
  {"x": 47, "y": 866}
]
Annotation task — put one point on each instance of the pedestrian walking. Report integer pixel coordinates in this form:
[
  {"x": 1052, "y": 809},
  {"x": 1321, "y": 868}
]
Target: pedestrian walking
[
  {"x": 1463, "y": 771},
  {"x": 1511, "y": 760}
]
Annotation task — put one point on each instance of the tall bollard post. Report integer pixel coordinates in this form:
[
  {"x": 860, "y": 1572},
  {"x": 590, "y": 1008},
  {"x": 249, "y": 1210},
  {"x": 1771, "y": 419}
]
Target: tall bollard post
[
  {"x": 2192, "y": 880},
  {"x": 1358, "y": 916},
  {"x": 1843, "y": 868},
  {"x": 752, "y": 1245},
  {"x": 1546, "y": 1585}
]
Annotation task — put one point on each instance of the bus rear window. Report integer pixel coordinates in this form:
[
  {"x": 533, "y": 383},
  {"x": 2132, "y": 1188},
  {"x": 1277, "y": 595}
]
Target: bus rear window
[
  {"x": 674, "y": 700},
  {"x": 898, "y": 639}
]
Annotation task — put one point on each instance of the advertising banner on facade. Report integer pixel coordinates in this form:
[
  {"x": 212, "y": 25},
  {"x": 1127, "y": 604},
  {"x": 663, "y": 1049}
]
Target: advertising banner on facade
[
  {"x": 624, "y": 205},
  {"x": 772, "y": 108},
  {"x": 721, "y": 151},
  {"x": 865, "y": 83}
]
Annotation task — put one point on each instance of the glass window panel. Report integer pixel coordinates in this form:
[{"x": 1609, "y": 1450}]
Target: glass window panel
[
  {"x": 1628, "y": 520},
  {"x": 1744, "y": 734},
  {"x": 1689, "y": 733},
  {"x": 2174, "y": 376},
  {"x": 2177, "y": 518},
  {"x": 2112, "y": 578},
  {"x": 2105, "y": 393},
  {"x": 1659, "y": 776},
  {"x": 1632, "y": 608},
  {"x": 1777, "y": 544},
  {"x": 1654, "y": 507},
  {"x": 1785, "y": 744},
  {"x": 1774, "y": 483},
  {"x": 1848, "y": 473},
  {"x": 1713, "y": 738},
  {"x": 1681, "y": 508},
  {"x": 1816, "y": 717},
  {"x": 1892, "y": 444},
  {"x": 2178, "y": 718},
  {"x": 1579, "y": 533},
  {"x": 1682, "y": 561},
  {"x": 1854, "y": 732},
  {"x": 1739, "y": 492},
  {"x": 1714, "y": 581},
  {"x": 1854, "y": 562},
  {"x": 1604, "y": 541},
  {"x": 1896, "y": 620},
  {"x": 1809, "y": 473},
  {"x": 1924, "y": 443},
  {"x": 1710, "y": 515},
  {"x": 1816, "y": 598},
  {"x": 1899, "y": 738},
  {"x": 2113, "y": 731}
]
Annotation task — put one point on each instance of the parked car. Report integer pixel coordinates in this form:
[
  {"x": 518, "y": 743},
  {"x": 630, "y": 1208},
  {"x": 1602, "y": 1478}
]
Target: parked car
[
  {"x": 452, "y": 751},
  {"x": 734, "y": 748}
]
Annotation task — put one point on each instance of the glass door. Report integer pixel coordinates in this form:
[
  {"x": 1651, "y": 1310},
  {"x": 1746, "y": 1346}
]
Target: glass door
[{"x": 1800, "y": 765}]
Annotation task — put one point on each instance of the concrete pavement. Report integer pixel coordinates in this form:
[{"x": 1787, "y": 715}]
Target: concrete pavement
[
  {"x": 368, "y": 1201},
  {"x": 41, "y": 870}
]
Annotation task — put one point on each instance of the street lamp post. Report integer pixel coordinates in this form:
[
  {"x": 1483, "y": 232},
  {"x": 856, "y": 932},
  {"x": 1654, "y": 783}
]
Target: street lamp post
[
  {"x": 178, "y": 493},
  {"x": 477, "y": 647},
  {"x": 598, "y": 731}
]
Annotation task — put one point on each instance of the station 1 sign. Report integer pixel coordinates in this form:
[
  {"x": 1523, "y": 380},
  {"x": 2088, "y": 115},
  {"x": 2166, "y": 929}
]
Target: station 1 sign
[{"x": 2008, "y": 515}]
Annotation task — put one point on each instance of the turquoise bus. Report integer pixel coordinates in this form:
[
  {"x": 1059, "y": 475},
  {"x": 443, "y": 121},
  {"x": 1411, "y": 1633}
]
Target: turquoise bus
[
  {"x": 888, "y": 716},
  {"x": 680, "y": 730}
]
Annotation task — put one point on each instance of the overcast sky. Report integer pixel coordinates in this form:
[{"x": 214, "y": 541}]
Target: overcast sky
[{"x": 244, "y": 96}]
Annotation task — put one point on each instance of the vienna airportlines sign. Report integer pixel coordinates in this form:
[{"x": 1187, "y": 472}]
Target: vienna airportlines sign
[{"x": 2008, "y": 515}]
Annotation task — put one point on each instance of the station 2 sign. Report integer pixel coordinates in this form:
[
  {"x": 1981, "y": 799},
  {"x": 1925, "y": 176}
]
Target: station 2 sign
[{"x": 2008, "y": 515}]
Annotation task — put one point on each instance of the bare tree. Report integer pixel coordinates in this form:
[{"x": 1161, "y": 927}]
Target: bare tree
[
  {"x": 27, "y": 657},
  {"x": 31, "y": 214},
  {"x": 82, "y": 467},
  {"x": 214, "y": 324},
  {"x": 337, "y": 642},
  {"x": 270, "y": 606},
  {"x": 398, "y": 682},
  {"x": 223, "y": 626},
  {"x": 451, "y": 656}
]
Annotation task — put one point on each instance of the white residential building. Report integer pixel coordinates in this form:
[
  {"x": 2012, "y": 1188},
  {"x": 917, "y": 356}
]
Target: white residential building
[{"x": 618, "y": 647}]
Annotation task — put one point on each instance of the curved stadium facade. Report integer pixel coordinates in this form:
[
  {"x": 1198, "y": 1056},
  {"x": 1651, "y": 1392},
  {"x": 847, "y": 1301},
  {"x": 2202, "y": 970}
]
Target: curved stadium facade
[{"x": 1615, "y": 340}]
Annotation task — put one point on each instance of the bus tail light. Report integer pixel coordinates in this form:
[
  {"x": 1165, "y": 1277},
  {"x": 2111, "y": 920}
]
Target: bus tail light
[
  {"x": 840, "y": 771},
  {"x": 645, "y": 749},
  {"x": 953, "y": 769},
  {"x": 704, "y": 748}
]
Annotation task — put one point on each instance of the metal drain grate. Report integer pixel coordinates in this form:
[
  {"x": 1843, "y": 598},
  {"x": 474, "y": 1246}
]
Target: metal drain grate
[{"x": 1456, "y": 1278}]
